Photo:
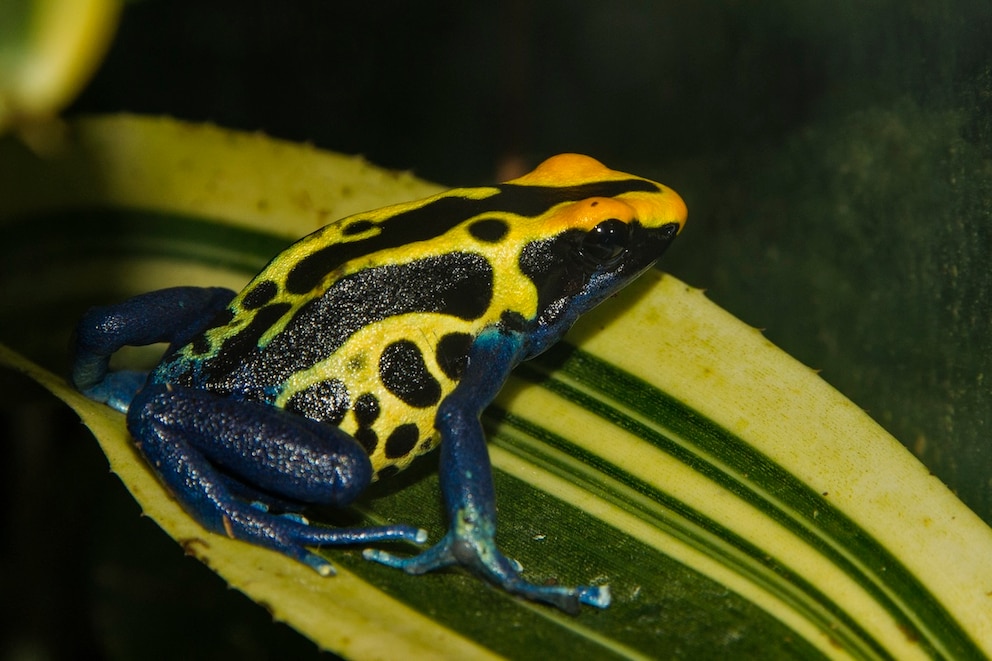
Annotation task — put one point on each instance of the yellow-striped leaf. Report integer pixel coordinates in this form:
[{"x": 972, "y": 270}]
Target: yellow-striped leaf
[{"x": 734, "y": 501}]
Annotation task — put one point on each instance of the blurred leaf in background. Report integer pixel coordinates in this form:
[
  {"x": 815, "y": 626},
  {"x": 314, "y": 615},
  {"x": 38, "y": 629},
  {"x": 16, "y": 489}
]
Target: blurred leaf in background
[{"x": 49, "y": 49}]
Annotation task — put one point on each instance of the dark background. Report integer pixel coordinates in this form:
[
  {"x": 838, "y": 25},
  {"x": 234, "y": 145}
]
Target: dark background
[{"x": 836, "y": 159}]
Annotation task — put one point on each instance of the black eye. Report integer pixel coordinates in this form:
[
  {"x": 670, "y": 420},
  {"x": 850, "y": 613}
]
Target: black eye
[{"x": 606, "y": 242}]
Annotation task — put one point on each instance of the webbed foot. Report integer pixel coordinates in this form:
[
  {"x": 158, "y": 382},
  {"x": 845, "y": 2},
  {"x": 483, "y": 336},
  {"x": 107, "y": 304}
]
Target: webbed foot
[
  {"x": 294, "y": 536},
  {"x": 479, "y": 554}
]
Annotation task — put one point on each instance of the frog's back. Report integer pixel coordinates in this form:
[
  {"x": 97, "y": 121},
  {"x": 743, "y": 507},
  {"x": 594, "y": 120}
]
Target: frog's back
[
  {"x": 367, "y": 323},
  {"x": 364, "y": 324}
]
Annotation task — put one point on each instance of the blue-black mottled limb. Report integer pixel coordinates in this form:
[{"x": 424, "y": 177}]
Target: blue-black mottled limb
[
  {"x": 167, "y": 315},
  {"x": 198, "y": 440},
  {"x": 467, "y": 484},
  {"x": 191, "y": 436}
]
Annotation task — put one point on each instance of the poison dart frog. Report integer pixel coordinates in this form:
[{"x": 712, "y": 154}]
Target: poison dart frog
[{"x": 366, "y": 344}]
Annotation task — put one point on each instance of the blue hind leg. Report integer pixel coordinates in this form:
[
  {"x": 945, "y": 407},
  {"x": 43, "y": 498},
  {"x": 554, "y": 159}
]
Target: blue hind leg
[
  {"x": 196, "y": 440},
  {"x": 168, "y": 315},
  {"x": 222, "y": 458}
]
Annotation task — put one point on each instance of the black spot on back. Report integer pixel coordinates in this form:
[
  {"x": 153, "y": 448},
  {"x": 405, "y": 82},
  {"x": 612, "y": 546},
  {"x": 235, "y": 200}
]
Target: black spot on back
[
  {"x": 222, "y": 318},
  {"x": 366, "y": 409},
  {"x": 402, "y": 441},
  {"x": 368, "y": 439},
  {"x": 435, "y": 218},
  {"x": 259, "y": 295},
  {"x": 489, "y": 230},
  {"x": 458, "y": 284},
  {"x": 388, "y": 472},
  {"x": 199, "y": 345},
  {"x": 469, "y": 291},
  {"x": 452, "y": 354},
  {"x": 404, "y": 373},
  {"x": 325, "y": 401},
  {"x": 511, "y": 320}
]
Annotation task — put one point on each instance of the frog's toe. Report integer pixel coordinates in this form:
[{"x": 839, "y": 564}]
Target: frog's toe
[
  {"x": 433, "y": 558},
  {"x": 440, "y": 555},
  {"x": 294, "y": 516},
  {"x": 302, "y": 534},
  {"x": 565, "y": 598},
  {"x": 593, "y": 595},
  {"x": 304, "y": 555},
  {"x": 318, "y": 563}
]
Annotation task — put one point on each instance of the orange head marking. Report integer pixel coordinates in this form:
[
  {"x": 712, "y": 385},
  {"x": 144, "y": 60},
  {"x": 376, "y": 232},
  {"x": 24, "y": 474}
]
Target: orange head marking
[
  {"x": 651, "y": 208},
  {"x": 568, "y": 170},
  {"x": 586, "y": 214}
]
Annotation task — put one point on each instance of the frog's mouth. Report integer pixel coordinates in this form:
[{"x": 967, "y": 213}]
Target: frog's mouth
[
  {"x": 647, "y": 245},
  {"x": 652, "y": 242}
]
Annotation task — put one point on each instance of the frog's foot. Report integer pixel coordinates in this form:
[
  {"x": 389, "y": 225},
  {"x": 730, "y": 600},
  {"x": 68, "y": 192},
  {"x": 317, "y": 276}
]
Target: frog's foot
[
  {"x": 186, "y": 434},
  {"x": 117, "y": 389},
  {"x": 480, "y": 555},
  {"x": 293, "y": 536}
]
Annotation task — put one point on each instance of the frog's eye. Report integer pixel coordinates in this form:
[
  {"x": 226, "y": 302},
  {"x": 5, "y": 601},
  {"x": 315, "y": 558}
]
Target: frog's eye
[{"x": 605, "y": 243}]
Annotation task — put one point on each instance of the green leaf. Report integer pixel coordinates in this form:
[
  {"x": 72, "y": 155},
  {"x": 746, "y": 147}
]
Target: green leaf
[{"x": 735, "y": 503}]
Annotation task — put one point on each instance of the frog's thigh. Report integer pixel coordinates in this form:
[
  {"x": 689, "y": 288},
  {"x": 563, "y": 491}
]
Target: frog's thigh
[{"x": 184, "y": 433}]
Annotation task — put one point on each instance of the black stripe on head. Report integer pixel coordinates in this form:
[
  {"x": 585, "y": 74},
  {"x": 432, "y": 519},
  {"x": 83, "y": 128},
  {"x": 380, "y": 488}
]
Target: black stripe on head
[
  {"x": 435, "y": 218},
  {"x": 358, "y": 226},
  {"x": 565, "y": 271},
  {"x": 534, "y": 200},
  {"x": 553, "y": 266}
]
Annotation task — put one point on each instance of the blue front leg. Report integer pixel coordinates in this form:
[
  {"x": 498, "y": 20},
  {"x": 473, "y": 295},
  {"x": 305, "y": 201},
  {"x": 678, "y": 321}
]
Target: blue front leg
[{"x": 467, "y": 485}]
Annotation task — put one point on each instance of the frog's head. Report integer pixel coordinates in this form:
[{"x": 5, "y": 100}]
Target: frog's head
[{"x": 601, "y": 229}]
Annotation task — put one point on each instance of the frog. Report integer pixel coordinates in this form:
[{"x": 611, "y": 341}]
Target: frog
[{"x": 368, "y": 343}]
